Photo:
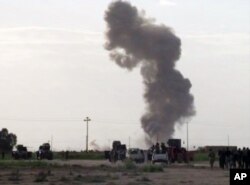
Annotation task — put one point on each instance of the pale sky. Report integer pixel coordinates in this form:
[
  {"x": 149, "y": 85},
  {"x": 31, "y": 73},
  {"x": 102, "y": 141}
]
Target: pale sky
[{"x": 54, "y": 71}]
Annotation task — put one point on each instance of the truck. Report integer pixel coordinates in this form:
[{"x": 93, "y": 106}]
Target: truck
[
  {"x": 21, "y": 152},
  {"x": 159, "y": 153},
  {"x": 177, "y": 153},
  {"x": 136, "y": 154},
  {"x": 44, "y": 152},
  {"x": 160, "y": 157},
  {"x": 118, "y": 152}
]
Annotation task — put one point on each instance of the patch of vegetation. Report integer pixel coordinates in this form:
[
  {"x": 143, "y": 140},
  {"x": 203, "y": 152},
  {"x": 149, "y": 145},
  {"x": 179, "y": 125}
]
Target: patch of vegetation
[
  {"x": 22, "y": 164},
  {"x": 152, "y": 168},
  {"x": 41, "y": 177},
  {"x": 91, "y": 155},
  {"x": 15, "y": 176},
  {"x": 71, "y": 172},
  {"x": 144, "y": 179},
  {"x": 132, "y": 183},
  {"x": 133, "y": 174},
  {"x": 201, "y": 156},
  {"x": 130, "y": 165},
  {"x": 111, "y": 183},
  {"x": 64, "y": 179},
  {"x": 91, "y": 179},
  {"x": 104, "y": 167},
  {"x": 49, "y": 172},
  {"x": 113, "y": 176},
  {"x": 139, "y": 183}
]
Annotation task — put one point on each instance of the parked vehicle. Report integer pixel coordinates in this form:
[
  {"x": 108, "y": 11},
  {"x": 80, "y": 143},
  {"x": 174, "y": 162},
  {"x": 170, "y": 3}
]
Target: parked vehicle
[
  {"x": 21, "y": 152},
  {"x": 136, "y": 154},
  {"x": 44, "y": 152},
  {"x": 177, "y": 153},
  {"x": 160, "y": 157},
  {"x": 118, "y": 152}
]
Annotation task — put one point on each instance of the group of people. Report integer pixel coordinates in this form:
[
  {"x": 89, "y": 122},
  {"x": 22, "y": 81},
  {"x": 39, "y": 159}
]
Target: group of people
[
  {"x": 159, "y": 148},
  {"x": 234, "y": 158},
  {"x": 228, "y": 159}
]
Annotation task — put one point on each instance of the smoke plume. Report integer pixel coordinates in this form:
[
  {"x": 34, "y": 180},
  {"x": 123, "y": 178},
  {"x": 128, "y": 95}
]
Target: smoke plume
[
  {"x": 134, "y": 40},
  {"x": 96, "y": 147}
]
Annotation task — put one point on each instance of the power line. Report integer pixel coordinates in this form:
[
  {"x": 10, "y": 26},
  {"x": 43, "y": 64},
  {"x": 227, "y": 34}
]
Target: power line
[{"x": 116, "y": 122}]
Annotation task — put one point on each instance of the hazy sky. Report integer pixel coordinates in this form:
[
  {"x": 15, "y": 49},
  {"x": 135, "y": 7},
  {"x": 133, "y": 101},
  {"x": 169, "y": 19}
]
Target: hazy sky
[{"x": 54, "y": 72}]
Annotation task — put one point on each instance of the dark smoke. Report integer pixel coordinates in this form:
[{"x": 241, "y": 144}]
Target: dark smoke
[{"x": 133, "y": 39}]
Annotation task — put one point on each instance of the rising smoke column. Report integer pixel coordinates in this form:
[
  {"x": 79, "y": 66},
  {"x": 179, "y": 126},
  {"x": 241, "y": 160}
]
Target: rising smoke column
[{"x": 133, "y": 39}]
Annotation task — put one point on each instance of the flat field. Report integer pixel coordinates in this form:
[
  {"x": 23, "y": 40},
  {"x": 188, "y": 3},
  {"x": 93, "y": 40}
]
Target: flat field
[{"x": 100, "y": 172}]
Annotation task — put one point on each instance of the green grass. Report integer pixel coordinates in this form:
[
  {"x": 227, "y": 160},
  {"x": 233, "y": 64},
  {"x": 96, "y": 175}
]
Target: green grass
[
  {"x": 152, "y": 168},
  {"x": 144, "y": 179},
  {"x": 202, "y": 156},
  {"x": 41, "y": 177},
  {"x": 15, "y": 175},
  {"x": 25, "y": 164},
  {"x": 91, "y": 179},
  {"x": 130, "y": 165},
  {"x": 91, "y": 155}
]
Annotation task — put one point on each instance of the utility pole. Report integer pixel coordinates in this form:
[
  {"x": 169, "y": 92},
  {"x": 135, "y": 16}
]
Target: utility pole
[
  {"x": 87, "y": 134},
  {"x": 129, "y": 142},
  {"x": 187, "y": 145},
  {"x": 51, "y": 142},
  {"x": 187, "y": 136}
]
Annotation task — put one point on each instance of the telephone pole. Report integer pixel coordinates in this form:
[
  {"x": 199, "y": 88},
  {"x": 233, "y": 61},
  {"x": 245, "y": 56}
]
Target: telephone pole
[
  {"x": 187, "y": 136},
  {"x": 129, "y": 142},
  {"x": 87, "y": 134}
]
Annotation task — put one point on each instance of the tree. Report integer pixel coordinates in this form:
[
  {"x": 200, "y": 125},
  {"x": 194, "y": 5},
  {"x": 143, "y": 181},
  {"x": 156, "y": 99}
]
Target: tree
[{"x": 7, "y": 141}]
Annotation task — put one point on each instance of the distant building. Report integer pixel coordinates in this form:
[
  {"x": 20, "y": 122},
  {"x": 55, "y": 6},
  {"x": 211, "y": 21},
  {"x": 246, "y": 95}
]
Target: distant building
[{"x": 217, "y": 148}]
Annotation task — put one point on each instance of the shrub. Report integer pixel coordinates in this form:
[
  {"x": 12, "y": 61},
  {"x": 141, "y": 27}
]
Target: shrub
[
  {"x": 15, "y": 176},
  {"x": 152, "y": 168},
  {"x": 41, "y": 177},
  {"x": 129, "y": 165}
]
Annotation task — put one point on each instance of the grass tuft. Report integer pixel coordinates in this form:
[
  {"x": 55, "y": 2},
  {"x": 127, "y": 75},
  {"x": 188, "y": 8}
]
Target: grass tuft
[
  {"x": 152, "y": 168},
  {"x": 41, "y": 177},
  {"x": 15, "y": 176}
]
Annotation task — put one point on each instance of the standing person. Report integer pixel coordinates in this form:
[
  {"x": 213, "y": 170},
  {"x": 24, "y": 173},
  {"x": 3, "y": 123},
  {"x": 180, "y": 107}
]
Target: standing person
[
  {"x": 239, "y": 158},
  {"x": 223, "y": 158},
  {"x": 211, "y": 156},
  {"x": 221, "y": 154},
  {"x": 3, "y": 154},
  {"x": 248, "y": 159},
  {"x": 227, "y": 158},
  {"x": 244, "y": 158},
  {"x": 163, "y": 148},
  {"x": 67, "y": 155},
  {"x": 233, "y": 158},
  {"x": 157, "y": 148}
]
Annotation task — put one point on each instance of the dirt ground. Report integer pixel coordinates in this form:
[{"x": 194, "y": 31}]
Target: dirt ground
[{"x": 76, "y": 172}]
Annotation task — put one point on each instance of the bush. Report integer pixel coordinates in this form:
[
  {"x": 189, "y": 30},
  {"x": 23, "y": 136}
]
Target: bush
[
  {"x": 20, "y": 164},
  {"x": 15, "y": 176},
  {"x": 129, "y": 165},
  {"x": 91, "y": 179},
  {"x": 41, "y": 177},
  {"x": 152, "y": 168}
]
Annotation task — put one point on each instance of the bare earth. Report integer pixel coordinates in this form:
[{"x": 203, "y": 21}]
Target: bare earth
[{"x": 76, "y": 172}]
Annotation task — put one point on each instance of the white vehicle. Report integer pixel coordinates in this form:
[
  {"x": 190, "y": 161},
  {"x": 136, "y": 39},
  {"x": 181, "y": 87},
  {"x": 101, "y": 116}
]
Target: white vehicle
[
  {"x": 137, "y": 155},
  {"x": 160, "y": 157}
]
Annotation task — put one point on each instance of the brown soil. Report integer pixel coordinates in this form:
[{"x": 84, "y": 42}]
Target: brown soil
[{"x": 76, "y": 172}]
